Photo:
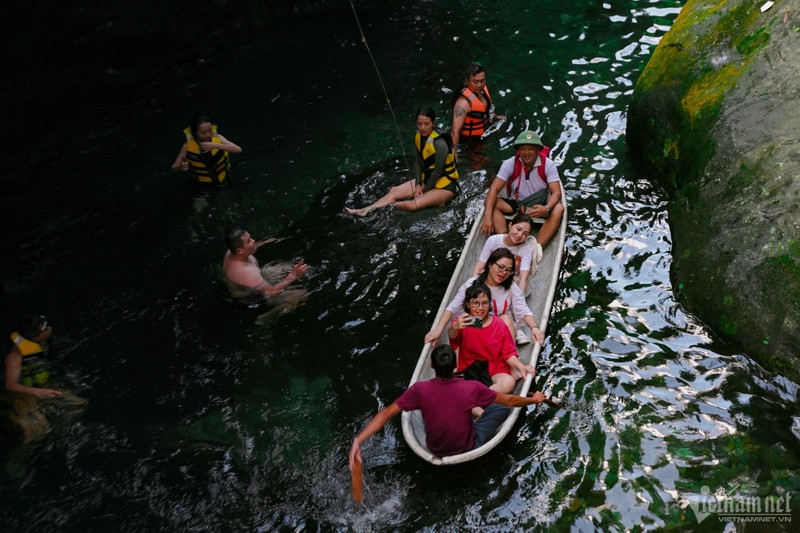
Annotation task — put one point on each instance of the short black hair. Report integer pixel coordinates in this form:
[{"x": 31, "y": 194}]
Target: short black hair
[
  {"x": 475, "y": 290},
  {"x": 30, "y": 326},
  {"x": 443, "y": 360},
  {"x": 472, "y": 69},
  {"x": 233, "y": 238},
  {"x": 196, "y": 121}
]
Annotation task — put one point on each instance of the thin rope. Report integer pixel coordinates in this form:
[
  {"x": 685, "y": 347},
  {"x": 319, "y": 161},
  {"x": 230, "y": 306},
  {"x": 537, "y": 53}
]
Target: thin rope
[{"x": 386, "y": 94}]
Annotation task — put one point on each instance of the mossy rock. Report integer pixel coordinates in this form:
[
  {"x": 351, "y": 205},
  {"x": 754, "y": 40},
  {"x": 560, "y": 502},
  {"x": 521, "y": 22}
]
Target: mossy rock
[{"x": 712, "y": 119}]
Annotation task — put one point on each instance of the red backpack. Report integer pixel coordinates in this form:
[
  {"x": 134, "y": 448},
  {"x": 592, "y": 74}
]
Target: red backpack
[{"x": 516, "y": 174}]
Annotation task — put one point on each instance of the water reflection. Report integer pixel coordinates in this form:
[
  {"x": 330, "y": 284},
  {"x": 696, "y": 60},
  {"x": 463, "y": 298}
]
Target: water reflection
[{"x": 200, "y": 418}]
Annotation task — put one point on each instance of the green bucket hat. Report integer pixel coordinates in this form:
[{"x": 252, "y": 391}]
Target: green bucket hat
[{"x": 528, "y": 137}]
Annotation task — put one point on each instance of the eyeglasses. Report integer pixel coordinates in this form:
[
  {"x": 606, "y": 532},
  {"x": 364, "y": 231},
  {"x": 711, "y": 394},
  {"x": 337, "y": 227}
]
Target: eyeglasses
[
  {"x": 477, "y": 305},
  {"x": 504, "y": 269}
]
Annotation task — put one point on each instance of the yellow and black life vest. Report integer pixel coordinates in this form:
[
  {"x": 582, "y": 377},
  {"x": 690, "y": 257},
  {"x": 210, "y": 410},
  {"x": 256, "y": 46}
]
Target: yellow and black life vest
[
  {"x": 427, "y": 155},
  {"x": 477, "y": 120},
  {"x": 209, "y": 167},
  {"x": 35, "y": 371}
]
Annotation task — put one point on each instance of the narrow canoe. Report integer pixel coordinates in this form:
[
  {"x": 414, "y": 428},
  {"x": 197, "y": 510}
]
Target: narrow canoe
[{"x": 540, "y": 300}]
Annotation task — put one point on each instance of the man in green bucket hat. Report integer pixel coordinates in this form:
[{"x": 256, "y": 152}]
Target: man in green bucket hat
[{"x": 527, "y": 183}]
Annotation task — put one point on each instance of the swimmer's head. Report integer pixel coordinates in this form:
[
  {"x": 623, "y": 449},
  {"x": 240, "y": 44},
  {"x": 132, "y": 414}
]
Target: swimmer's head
[
  {"x": 473, "y": 69},
  {"x": 234, "y": 238},
  {"x": 426, "y": 111},
  {"x": 201, "y": 127},
  {"x": 32, "y": 326}
]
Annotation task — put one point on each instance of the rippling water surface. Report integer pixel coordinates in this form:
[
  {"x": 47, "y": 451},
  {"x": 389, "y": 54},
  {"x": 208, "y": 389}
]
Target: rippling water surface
[{"x": 206, "y": 416}]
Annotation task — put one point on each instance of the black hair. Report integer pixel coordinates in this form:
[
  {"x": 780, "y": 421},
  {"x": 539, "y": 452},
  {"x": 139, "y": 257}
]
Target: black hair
[
  {"x": 30, "y": 326},
  {"x": 494, "y": 257},
  {"x": 233, "y": 238},
  {"x": 472, "y": 69},
  {"x": 427, "y": 112},
  {"x": 443, "y": 361},
  {"x": 475, "y": 290},
  {"x": 522, "y": 217},
  {"x": 196, "y": 121}
]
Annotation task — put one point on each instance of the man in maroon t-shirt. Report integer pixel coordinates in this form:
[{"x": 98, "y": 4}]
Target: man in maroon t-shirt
[{"x": 446, "y": 404}]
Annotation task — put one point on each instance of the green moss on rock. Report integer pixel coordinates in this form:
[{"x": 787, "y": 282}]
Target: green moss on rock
[{"x": 705, "y": 120}]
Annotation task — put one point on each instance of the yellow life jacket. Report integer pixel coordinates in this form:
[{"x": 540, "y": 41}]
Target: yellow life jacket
[
  {"x": 427, "y": 155},
  {"x": 209, "y": 167},
  {"x": 34, "y": 366}
]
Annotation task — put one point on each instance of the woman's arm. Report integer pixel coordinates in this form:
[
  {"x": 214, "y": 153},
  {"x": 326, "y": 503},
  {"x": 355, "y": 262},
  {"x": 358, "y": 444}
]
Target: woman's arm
[
  {"x": 456, "y": 305},
  {"x": 523, "y": 280},
  {"x": 433, "y": 335},
  {"x": 181, "y": 164},
  {"x": 488, "y": 247},
  {"x": 442, "y": 151},
  {"x": 224, "y": 144},
  {"x": 416, "y": 167},
  {"x": 536, "y": 332},
  {"x": 518, "y": 303},
  {"x": 523, "y": 369},
  {"x": 457, "y": 325}
]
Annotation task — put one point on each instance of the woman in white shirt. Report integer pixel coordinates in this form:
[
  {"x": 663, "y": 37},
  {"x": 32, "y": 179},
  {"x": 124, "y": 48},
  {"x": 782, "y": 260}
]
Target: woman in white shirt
[
  {"x": 527, "y": 252},
  {"x": 508, "y": 301}
]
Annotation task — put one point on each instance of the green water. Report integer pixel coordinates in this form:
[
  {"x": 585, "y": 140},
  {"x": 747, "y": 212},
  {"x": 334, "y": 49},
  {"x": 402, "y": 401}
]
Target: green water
[{"x": 200, "y": 418}]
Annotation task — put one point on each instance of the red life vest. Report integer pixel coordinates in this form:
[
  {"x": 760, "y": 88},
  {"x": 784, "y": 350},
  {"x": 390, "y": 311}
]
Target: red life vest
[{"x": 516, "y": 174}]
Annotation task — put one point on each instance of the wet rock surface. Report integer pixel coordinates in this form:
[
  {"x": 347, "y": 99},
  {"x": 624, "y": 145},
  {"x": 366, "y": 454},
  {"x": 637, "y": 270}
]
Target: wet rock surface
[{"x": 714, "y": 118}]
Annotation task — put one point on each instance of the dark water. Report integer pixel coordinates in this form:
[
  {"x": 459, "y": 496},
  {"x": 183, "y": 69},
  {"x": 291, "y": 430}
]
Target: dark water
[{"x": 201, "y": 417}]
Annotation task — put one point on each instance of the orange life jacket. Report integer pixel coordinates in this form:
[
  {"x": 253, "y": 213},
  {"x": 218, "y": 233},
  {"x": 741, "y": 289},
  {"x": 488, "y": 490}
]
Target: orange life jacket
[{"x": 477, "y": 120}]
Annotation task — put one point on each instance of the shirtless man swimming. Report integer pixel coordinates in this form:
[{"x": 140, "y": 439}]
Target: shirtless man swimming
[{"x": 244, "y": 277}]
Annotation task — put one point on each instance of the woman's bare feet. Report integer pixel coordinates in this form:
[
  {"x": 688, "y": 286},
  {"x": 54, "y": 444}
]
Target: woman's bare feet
[{"x": 357, "y": 212}]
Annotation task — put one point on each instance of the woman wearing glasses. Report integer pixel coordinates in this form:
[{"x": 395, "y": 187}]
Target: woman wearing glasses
[
  {"x": 508, "y": 302},
  {"x": 527, "y": 252},
  {"x": 486, "y": 339}
]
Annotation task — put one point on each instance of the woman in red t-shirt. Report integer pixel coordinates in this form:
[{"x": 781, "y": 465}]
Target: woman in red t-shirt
[{"x": 486, "y": 339}]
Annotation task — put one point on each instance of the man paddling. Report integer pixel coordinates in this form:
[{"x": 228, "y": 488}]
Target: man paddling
[{"x": 446, "y": 403}]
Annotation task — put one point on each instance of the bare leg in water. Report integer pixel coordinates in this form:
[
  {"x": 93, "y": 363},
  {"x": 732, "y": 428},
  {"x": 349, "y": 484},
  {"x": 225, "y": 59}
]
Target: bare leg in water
[{"x": 408, "y": 189}]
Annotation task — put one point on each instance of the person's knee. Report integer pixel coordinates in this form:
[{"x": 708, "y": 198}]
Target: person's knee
[
  {"x": 406, "y": 205},
  {"x": 557, "y": 211},
  {"x": 503, "y": 383}
]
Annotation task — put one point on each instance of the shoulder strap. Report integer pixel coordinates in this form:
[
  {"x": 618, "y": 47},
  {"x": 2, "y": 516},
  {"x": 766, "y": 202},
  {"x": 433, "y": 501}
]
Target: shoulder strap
[
  {"x": 543, "y": 159},
  {"x": 515, "y": 174}
]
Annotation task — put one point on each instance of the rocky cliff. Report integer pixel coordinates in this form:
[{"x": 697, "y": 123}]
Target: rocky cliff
[{"x": 714, "y": 118}]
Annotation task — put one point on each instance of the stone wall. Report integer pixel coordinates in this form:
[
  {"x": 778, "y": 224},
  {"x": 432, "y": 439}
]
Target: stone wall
[{"x": 715, "y": 118}]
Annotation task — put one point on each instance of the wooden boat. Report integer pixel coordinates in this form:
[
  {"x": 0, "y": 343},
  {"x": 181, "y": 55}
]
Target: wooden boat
[{"x": 540, "y": 300}]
